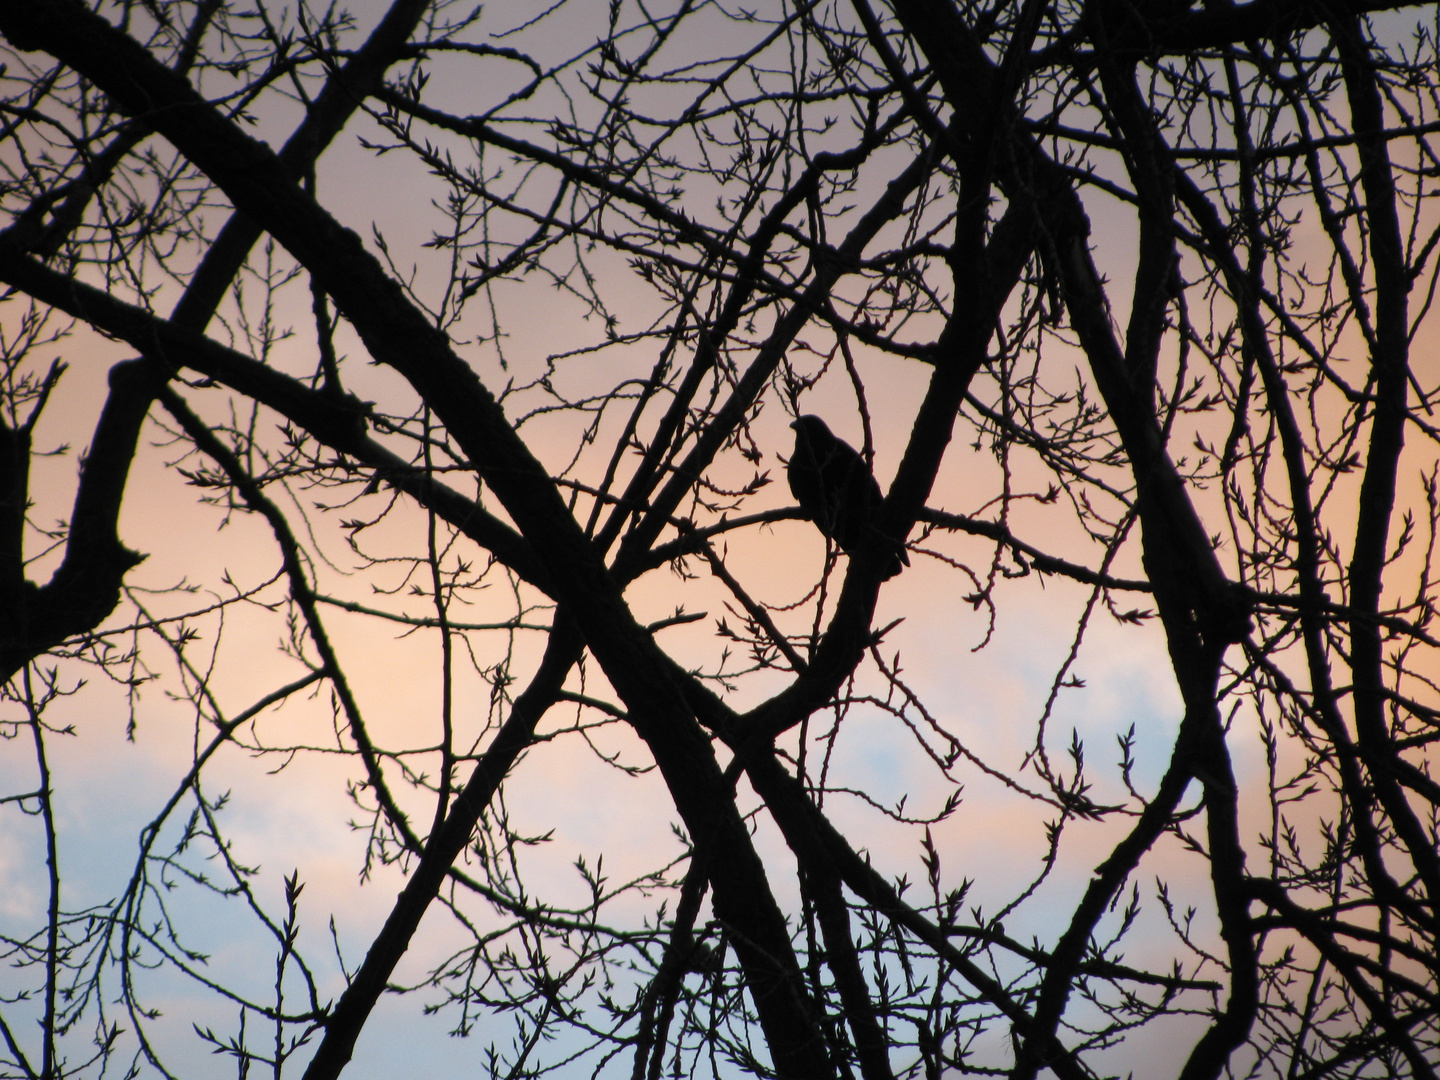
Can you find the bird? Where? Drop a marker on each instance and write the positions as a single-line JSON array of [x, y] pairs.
[[836, 489]]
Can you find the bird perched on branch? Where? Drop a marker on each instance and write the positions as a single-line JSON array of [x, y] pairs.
[[835, 488]]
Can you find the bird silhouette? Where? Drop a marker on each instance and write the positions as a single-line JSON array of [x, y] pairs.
[[835, 488]]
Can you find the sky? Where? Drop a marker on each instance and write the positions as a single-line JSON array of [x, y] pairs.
[[291, 814]]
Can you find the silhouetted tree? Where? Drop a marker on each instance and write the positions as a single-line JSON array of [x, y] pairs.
[[1162, 266]]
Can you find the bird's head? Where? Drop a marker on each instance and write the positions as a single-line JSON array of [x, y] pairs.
[[813, 430]]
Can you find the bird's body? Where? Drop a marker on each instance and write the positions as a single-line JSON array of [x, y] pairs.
[[835, 488]]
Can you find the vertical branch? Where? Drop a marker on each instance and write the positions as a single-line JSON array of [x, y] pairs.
[[442, 618], [44, 795], [657, 1007], [1390, 367]]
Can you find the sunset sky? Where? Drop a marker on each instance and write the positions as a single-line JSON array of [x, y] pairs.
[[291, 812]]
